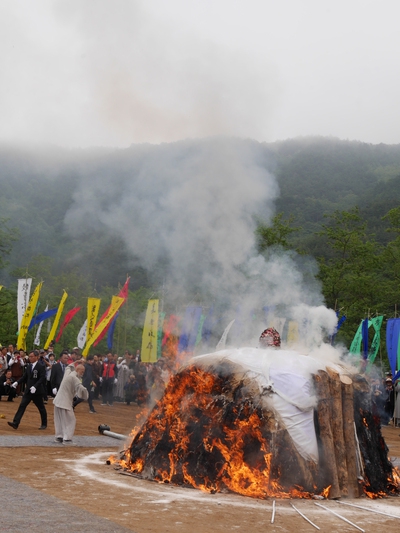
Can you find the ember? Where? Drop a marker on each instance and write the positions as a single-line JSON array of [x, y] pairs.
[[222, 425]]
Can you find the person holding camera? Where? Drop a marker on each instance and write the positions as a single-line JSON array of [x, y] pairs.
[[6, 388]]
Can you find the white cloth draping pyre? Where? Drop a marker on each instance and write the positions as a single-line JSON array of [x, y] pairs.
[[285, 376]]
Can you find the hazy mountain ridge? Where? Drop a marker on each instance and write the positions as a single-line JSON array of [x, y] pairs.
[[315, 176]]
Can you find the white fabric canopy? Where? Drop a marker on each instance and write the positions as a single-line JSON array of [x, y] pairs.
[[284, 380]]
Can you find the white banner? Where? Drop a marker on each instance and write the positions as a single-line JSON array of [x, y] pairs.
[[222, 342], [36, 342], [23, 295], [81, 339]]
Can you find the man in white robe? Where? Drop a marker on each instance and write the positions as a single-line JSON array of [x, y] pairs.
[[64, 417]]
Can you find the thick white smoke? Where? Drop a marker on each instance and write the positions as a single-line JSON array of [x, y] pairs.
[[189, 208]]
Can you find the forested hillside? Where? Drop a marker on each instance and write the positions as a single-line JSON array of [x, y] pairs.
[[77, 214]]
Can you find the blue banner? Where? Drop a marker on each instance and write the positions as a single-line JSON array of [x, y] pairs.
[[39, 318], [190, 328], [110, 333], [365, 338], [392, 343], [208, 325]]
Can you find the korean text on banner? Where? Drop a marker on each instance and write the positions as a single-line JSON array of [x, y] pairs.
[[150, 330], [23, 294], [116, 303], [26, 319], [93, 307]]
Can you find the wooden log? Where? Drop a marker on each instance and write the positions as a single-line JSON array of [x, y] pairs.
[[321, 382], [336, 416], [349, 436]]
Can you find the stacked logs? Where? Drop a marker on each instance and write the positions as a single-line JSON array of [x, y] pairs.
[[349, 437], [335, 429]]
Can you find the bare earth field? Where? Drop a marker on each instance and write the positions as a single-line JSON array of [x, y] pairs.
[[78, 475]]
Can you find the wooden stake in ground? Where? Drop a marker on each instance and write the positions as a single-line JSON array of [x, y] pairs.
[[324, 420], [349, 436], [336, 416]]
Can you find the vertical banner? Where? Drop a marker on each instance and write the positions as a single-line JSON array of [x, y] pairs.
[[364, 337], [54, 327], [170, 328], [293, 332], [161, 318], [110, 334], [36, 342], [104, 323], [222, 341], [81, 338], [88, 327], [392, 343], [208, 326], [23, 294], [123, 293], [150, 330], [93, 307], [200, 332], [26, 319], [341, 320], [376, 341], [355, 346], [278, 324], [68, 317], [190, 328]]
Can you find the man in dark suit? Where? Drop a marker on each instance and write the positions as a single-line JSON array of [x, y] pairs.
[[57, 372], [35, 382]]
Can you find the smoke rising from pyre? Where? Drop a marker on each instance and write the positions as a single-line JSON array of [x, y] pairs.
[[188, 210]]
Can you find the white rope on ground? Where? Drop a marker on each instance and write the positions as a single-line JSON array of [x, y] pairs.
[[273, 512], [305, 518], [370, 510], [340, 516]]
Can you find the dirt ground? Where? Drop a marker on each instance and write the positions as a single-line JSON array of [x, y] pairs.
[[80, 476]]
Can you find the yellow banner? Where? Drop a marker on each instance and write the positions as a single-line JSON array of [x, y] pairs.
[[93, 307], [150, 329], [52, 334], [1, 286], [116, 303], [26, 319], [293, 332]]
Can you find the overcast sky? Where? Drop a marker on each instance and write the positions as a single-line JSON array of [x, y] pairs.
[[116, 72]]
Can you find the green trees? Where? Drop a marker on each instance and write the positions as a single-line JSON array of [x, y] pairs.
[[359, 276], [8, 235], [276, 234]]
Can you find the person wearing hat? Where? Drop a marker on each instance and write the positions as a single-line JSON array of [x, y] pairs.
[[270, 338]]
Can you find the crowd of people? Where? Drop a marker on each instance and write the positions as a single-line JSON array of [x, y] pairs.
[[69, 379]]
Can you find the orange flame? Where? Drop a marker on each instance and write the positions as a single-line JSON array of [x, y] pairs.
[[199, 394]]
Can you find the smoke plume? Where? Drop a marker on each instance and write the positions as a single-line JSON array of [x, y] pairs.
[[187, 211]]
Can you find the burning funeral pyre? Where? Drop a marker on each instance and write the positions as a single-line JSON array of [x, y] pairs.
[[264, 423]]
